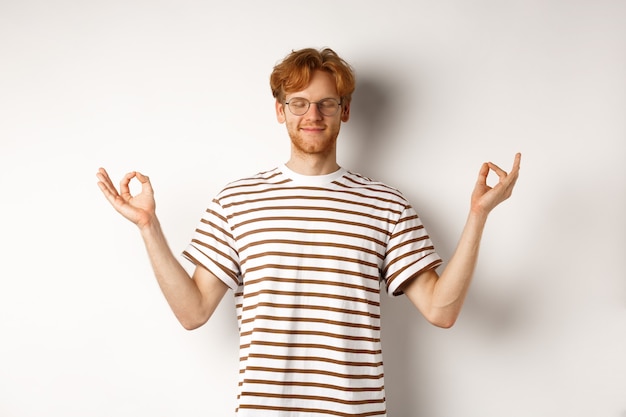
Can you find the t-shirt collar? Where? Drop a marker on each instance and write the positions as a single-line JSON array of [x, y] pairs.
[[312, 179]]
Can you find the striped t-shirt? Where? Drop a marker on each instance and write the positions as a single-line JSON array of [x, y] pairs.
[[306, 257]]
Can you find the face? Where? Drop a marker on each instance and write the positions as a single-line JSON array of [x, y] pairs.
[[313, 133]]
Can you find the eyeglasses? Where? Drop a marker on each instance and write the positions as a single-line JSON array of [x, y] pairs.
[[298, 106]]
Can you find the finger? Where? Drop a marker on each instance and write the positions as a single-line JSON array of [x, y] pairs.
[[511, 179], [502, 174], [499, 171], [102, 173], [512, 176], [103, 176], [110, 193], [483, 173], [105, 183], [124, 185], [146, 186], [517, 162], [516, 165], [142, 178]]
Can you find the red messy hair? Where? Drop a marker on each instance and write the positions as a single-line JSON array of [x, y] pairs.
[[294, 73]]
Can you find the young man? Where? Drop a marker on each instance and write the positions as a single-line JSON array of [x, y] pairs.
[[305, 248]]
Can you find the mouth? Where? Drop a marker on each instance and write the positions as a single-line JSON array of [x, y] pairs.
[[312, 128]]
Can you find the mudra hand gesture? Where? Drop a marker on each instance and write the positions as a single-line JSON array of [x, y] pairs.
[[484, 197], [139, 209]]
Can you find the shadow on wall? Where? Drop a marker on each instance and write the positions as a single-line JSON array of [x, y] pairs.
[[376, 108], [379, 103], [375, 105], [407, 380]]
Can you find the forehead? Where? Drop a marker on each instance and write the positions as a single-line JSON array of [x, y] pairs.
[[322, 85]]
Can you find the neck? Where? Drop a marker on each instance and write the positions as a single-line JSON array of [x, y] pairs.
[[311, 165]]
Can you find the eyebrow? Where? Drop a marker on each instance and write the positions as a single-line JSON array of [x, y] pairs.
[[304, 98]]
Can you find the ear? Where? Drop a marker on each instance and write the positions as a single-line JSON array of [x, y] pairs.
[[280, 112], [345, 113]]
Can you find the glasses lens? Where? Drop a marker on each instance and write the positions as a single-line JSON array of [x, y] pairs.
[[298, 106], [328, 106]]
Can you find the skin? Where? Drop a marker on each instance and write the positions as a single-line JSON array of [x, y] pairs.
[[313, 136], [440, 298]]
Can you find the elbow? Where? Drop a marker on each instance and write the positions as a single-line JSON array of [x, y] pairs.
[[192, 317], [192, 322], [443, 324], [188, 325], [443, 320]]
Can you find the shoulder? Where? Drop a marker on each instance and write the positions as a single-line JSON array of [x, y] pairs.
[[253, 184], [368, 185]]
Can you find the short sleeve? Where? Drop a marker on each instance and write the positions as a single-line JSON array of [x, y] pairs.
[[213, 246], [409, 252]]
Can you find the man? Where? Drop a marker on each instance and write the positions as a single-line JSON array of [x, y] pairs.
[[305, 248]]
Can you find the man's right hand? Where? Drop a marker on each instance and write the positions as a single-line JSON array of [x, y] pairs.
[[139, 209]]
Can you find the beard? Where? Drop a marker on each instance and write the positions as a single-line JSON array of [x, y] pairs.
[[318, 143]]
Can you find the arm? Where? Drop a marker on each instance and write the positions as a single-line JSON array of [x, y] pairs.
[[193, 300], [440, 299]]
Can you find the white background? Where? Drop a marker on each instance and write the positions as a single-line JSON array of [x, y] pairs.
[[179, 90]]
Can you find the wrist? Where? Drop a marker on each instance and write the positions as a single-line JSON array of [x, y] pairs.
[[150, 227], [477, 216]]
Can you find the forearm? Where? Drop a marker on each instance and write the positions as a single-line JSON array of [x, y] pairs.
[[180, 291], [192, 300], [440, 299], [456, 277], [450, 289]]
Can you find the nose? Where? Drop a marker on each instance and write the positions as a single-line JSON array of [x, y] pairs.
[[314, 112]]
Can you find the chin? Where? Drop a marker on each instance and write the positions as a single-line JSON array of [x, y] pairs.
[[315, 148]]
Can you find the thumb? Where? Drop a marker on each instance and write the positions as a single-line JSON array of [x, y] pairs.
[[146, 186]]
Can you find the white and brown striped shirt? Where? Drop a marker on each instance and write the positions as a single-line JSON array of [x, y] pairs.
[[306, 257]]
